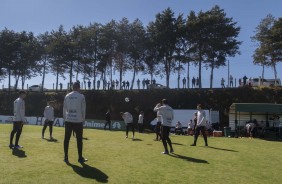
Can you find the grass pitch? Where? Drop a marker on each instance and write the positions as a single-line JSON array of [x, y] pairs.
[[114, 159]]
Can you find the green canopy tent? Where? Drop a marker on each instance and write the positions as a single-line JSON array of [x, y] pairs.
[[242, 112]]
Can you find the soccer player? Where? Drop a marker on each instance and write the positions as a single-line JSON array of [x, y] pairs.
[[166, 112], [108, 120], [140, 121], [49, 119], [128, 120], [18, 120], [74, 116], [200, 126]]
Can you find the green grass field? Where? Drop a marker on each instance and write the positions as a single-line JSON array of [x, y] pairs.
[[114, 159]]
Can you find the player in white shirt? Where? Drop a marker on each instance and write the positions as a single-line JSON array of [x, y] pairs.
[[140, 121], [166, 113], [128, 120], [49, 119], [191, 126], [18, 120], [200, 126], [74, 117], [178, 128]]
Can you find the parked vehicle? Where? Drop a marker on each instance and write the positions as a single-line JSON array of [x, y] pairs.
[[36, 88], [156, 86], [265, 82]]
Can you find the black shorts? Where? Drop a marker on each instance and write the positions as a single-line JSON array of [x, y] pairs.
[[48, 123]]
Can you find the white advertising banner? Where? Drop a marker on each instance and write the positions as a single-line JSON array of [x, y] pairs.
[[59, 122]]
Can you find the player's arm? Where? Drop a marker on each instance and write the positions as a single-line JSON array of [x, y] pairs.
[[203, 117], [83, 107], [158, 107], [65, 108], [21, 110]]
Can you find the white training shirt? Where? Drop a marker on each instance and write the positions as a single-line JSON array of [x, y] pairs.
[[178, 125], [127, 117], [166, 113], [250, 125], [201, 118], [141, 118], [74, 107], [19, 110], [49, 113], [191, 124], [159, 117]]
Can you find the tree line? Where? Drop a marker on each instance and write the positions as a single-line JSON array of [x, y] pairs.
[[268, 39], [97, 51]]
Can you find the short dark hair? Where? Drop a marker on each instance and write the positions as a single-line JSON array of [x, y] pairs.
[[76, 85], [199, 105], [164, 101], [22, 92], [51, 102]]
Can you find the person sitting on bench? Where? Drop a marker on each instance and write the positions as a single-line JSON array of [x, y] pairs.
[[251, 128], [178, 128]]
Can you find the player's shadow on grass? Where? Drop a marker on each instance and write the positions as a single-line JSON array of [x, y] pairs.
[[52, 140], [136, 139], [88, 171], [175, 143], [189, 159], [223, 149], [19, 153]]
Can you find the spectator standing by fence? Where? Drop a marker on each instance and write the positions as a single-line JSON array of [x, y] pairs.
[[197, 82], [89, 84], [222, 83], [193, 82], [138, 84], [184, 82], [231, 81], [245, 80]]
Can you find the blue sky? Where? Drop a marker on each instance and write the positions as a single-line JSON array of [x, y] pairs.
[[40, 16]]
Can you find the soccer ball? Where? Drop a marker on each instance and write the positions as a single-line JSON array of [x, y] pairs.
[[126, 99]]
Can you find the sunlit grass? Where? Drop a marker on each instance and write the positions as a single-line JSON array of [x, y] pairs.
[[114, 159]]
